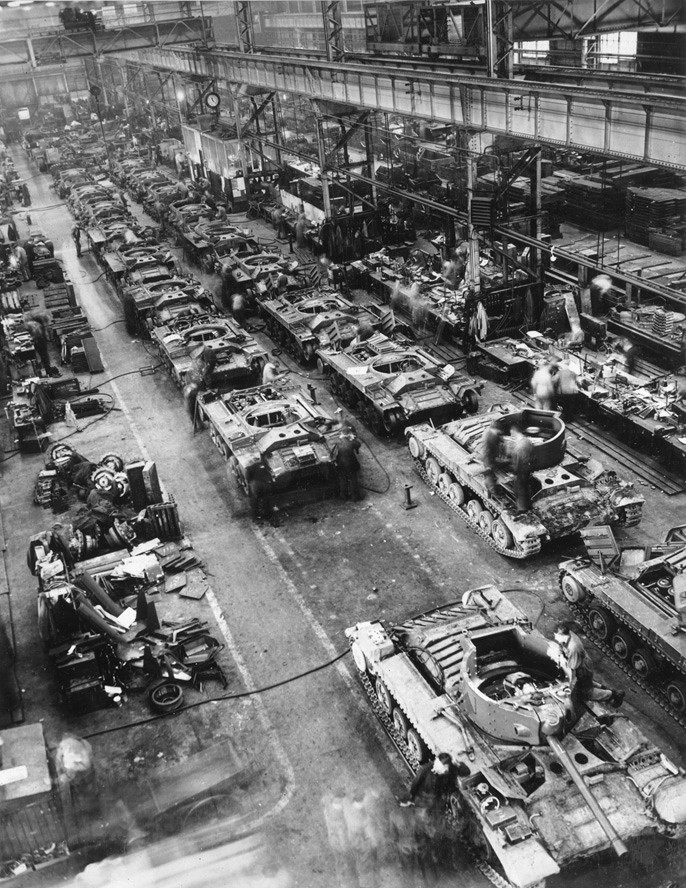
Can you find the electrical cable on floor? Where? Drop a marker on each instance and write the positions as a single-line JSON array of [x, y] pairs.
[[92, 282], [239, 696], [100, 329]]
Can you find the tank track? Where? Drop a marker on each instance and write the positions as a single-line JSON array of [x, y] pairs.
[[648, 687], [493, 876], [479, 531]]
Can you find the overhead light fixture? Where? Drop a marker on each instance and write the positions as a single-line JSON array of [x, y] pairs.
[[180, 95]]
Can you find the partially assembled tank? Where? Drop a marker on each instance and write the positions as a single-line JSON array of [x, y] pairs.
[[304, 322], [228, 356], [632, 600], [567, 492], [277, 434], [393, 385], [550, 780]]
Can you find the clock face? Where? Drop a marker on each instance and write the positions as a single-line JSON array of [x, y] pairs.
[[212, 100]]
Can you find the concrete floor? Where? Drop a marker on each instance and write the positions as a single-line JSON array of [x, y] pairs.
[[284, 594]]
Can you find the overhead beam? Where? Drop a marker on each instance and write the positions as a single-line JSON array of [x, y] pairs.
[[574, 116]]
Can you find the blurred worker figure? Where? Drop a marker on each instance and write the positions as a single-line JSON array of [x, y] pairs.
[[630, 355], [279, 222], [23, 261], [365, 834], [578, 667], [271, 373], [344, 454], [566, 390], [238, 307], [76, 237], [301, 227], [492, 445], [259, 490], [601, 285], [521, 453], [182, 189], [334, 805], [221, 213], [542, 387]]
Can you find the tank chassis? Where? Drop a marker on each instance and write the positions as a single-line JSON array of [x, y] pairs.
[[567, 492], [304, 322], [393, 385], [632, 601], [550, 780], [278, 430], [232, 358]]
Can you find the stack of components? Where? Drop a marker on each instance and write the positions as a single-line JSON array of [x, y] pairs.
[[593, 203], [656, 217], [663, 323]]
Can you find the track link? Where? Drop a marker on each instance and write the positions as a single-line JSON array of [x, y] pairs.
[[508, 553], [493, 876], [648, 687]]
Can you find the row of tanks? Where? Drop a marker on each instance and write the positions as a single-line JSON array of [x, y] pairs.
[[550, 780]]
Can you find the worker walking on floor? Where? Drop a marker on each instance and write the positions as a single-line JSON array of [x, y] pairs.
[[76, 236], [345, 452], [578, 667]]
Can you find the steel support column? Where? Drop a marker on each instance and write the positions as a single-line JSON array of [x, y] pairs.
[[246, 32], [333, 30]]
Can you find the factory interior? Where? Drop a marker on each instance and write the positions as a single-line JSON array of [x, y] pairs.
[[361, 326]]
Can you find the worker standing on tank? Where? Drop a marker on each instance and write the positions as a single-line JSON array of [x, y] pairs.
[[492, 442], [521, 453], [344, 454], [578, 667]]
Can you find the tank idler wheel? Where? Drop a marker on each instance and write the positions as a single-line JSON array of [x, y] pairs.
[[433, 470], [456, 493], [470, 401], [486, 521], [602, 623], [417, 746], [359, 658], [501, 535], [417, 449], [572, 590], [474, 509], [400, 722], [644, 662], [623, 643], [384, 696], [676, 694], [321, 367], [444, 482]]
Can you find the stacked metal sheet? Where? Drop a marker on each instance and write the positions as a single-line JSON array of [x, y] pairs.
[[595, 204], [651, 211]]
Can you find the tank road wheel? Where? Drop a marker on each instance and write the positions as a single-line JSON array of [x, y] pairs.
[[400, 722], [676, 694], [384, 696], [573, 591], [644, 662], [444, 482], [474, 509], [470, 401], [456, 494], [375, 421], [602, 623], [417, 746], [486, 521], [433, 470], [417, 449], [321, 367], [623, 643], [501, 535]]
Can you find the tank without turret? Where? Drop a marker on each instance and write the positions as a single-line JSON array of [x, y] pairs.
[[278, 431], [633, 599], [394, 384], [550, 780], [568, 492]]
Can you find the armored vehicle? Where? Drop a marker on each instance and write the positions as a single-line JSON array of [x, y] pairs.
[[278, 430], [393, 385], [567, 492], [229, 357], [304, 323], [550, 780], [632, 599]]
